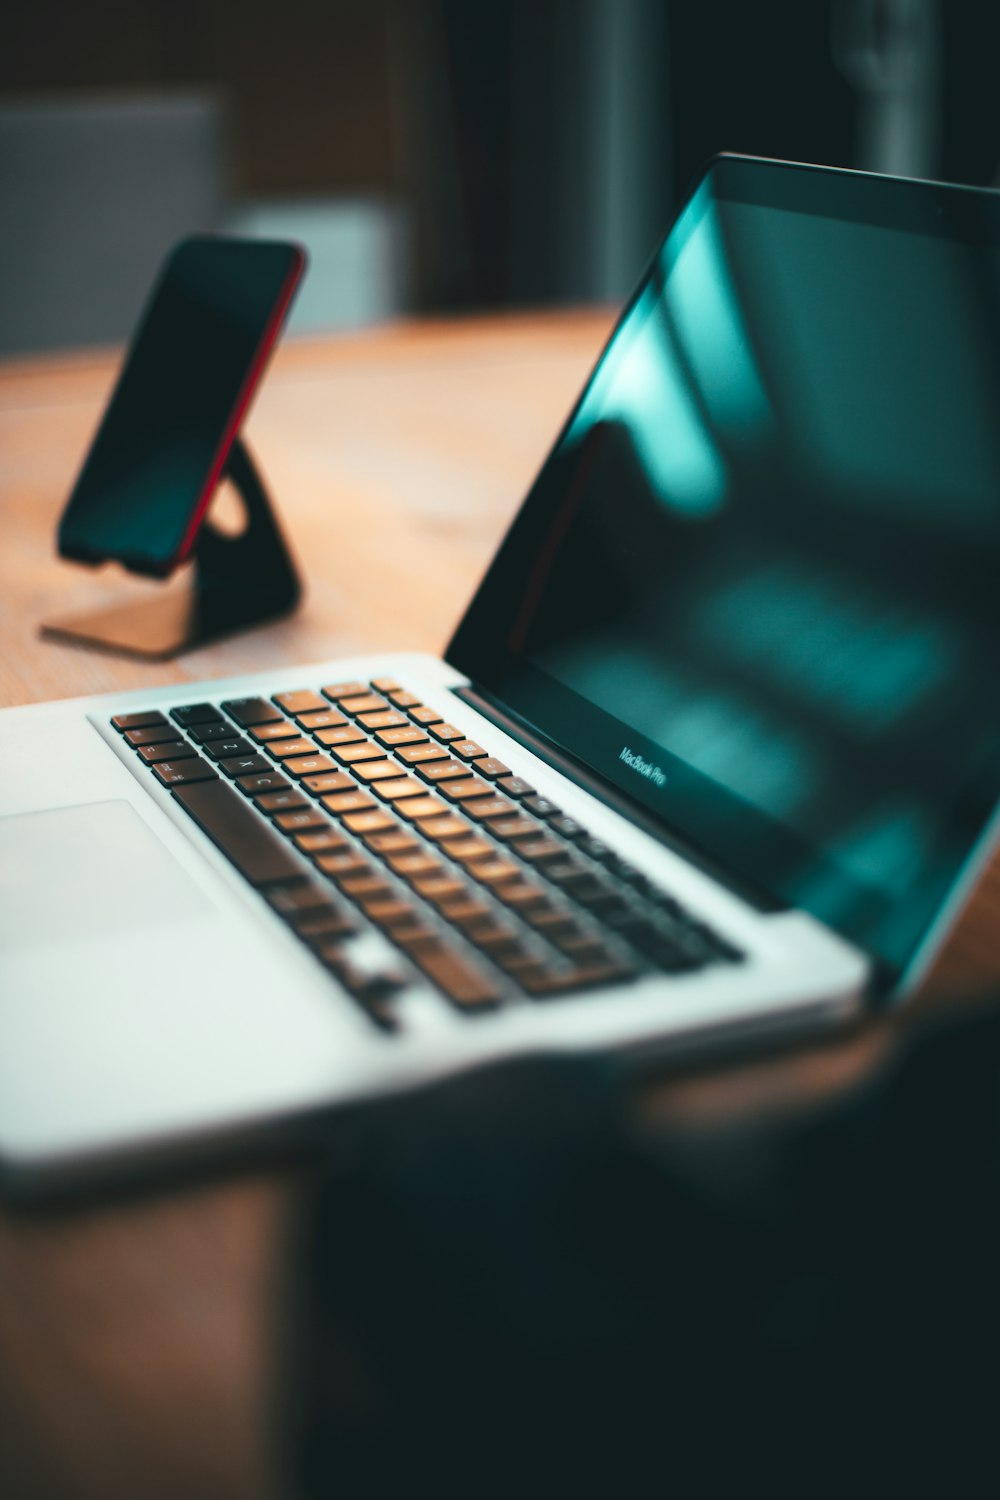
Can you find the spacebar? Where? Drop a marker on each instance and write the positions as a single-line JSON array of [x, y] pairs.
[[240, 834]]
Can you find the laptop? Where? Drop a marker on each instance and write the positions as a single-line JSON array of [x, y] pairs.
[[713, 754]]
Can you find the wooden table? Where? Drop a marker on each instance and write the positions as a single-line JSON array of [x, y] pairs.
[[135, 1336]]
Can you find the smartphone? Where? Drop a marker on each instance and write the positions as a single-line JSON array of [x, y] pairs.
[[213, 317]]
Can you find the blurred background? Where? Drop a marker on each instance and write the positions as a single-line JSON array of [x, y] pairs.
[[437, 156]]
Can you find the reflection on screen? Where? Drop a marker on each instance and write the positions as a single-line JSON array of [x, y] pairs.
[[768, 540], [190, 364]]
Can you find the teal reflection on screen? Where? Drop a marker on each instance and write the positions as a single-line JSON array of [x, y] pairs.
[[642, 384], [769, 539]]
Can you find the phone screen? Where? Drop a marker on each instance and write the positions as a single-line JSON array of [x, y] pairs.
[[186, 382]]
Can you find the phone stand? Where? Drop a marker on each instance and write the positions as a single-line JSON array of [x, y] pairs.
[[236, 581]]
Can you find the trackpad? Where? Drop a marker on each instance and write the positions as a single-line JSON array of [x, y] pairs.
[[73, 873]]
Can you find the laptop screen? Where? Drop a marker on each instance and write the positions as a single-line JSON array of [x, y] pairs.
[[755, 586]]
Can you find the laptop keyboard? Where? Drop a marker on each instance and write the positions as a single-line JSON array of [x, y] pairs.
[[413, 828]]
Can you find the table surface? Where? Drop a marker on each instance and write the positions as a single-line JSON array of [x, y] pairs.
[[136, 1335]]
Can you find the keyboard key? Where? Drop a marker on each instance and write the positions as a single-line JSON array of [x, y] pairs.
[[204, 734], [567, 828], [485, 808], [411, 865], [245, 765], [416, 808], [465, 791], [300, 821], [583, 948], [154, 734], [349, 755], [196, 713], [515, 786], [435, 770], [553, 923], [420, 714], [341, 734], [147, 720], [389, 912], [438, 888], [321, 841], [348, 802], [389, 718], [400, 696], [718, 945], [583, 977], [489, 766], [299, 702], [398, 790], [604, 901], [268, 781], [541, 807], [310, 765], [368, 703], [342, 865], [594, 847], [275, 802], [657, 945], [172, 750], [519, 893], [469, 851], [512, 829], [411, 938], [495, 939], [247, 711], [234, 744], [417, 754], [665, 901], [526, 969], [281, 729], [260, 854], [465, 985], [567, 871], [539, 851], [495, 872], [467, 749], [328, 719], [445, 825], [177, 772], [375, 821], [385, 685], [329, 781], [340, 690], [467, 915], [397, 841], [373, 992], [594, 893], [302, 896], [448, 827], [376, 770], [285, 749], [369, 886], [324, 925], [406, 736], [445, 732]]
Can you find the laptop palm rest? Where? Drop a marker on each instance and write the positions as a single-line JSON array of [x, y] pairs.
[[73, 874]]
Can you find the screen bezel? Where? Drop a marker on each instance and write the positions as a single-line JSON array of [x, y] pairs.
[[156, 565], [757, 850]]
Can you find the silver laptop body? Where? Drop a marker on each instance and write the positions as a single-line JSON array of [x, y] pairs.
[[152, 996], [787, 743]]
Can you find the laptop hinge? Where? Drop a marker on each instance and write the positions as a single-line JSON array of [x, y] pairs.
[[560, 760]]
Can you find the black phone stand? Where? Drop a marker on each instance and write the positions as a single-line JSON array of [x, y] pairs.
[[236, 581]]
